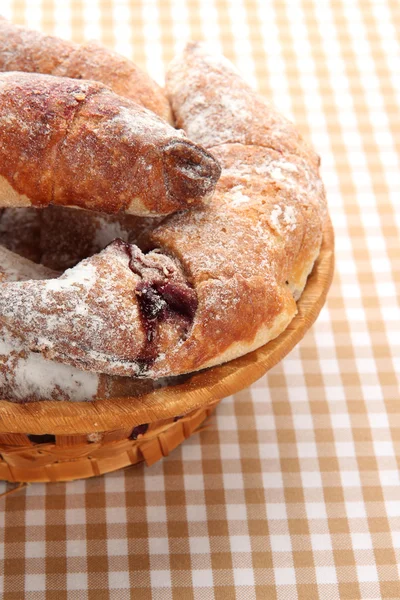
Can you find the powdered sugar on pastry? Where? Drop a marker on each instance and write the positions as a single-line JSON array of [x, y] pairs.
[[82, 145], [249, 252], [70, 317], [280, 218], [25, 375], [111, 313], [237, 196], [223, 278], [215, 106], [274, 216], [84, 274], [289, 217]]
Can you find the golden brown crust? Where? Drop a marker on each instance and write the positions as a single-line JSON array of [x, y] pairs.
[[248, 253], [111, 313], [27, 376], [70, 142], [223, 278], [92, 61], [23, 49], [215, 106]]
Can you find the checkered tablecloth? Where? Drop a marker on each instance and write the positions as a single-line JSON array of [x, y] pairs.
[[293, 491]]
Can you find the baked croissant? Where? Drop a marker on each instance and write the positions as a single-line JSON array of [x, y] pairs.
[[70, 142], [27, 376], [23, 49], [220, 280]]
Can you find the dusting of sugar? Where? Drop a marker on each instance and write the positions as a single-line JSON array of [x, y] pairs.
[[280, 219], [82, 310], [26, 375], [83, 274], [288, 166], [289, 217], [237, 197], [86, 317], [274, 216], [277, 170], [41, 378], [276, 173], [217, 61], [206, 239], [137, 123]]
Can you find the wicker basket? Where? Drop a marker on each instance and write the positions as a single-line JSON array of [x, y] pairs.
[[60, 441]]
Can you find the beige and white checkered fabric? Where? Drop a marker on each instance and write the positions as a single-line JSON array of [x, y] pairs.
[[293, 492]]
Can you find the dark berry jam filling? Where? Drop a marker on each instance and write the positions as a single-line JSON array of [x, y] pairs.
[[161, 294]]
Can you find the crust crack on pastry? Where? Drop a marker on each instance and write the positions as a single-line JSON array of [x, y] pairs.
[[71, 142], [162, 294], [81, 96], [212, 283], [27, 376], [122, 304]]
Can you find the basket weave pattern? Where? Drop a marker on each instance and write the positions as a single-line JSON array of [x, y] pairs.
[[75, 440], [47, 458]]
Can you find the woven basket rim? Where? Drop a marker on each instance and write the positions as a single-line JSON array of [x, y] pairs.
[[203, 388]]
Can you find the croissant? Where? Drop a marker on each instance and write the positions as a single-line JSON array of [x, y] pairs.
[[219, 280], [64, 141], [23, 49], [215, 106], [27, 376], [116, 300]]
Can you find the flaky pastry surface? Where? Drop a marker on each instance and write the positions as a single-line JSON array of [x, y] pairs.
[[212, 283]]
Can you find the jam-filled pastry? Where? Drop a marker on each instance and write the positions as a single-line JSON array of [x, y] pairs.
[[27, 376], [222, 279], [70, 142], [23, 49], [111, 313], [249, 252]]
